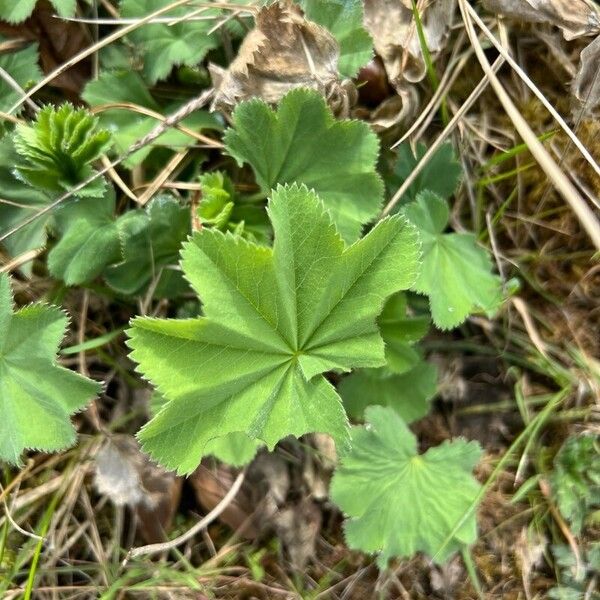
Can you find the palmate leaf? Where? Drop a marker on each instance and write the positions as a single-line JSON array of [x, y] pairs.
[[457, 273], [164, 46], [400, 502], [274, 321], [441, 174], [301, 142], [16, 11], [22, 66], [407, 393], [89, 239], [344, 19], [36, 395], [151, 240]]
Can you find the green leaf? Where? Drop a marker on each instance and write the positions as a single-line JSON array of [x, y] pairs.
[[128, 126], [151, 241], [16, 11], [400, 331], [58, 148], [235, 449], [303, 143], [89, 240], [456, 272], [274, 321], [20, 203], [36, 395], [344, 19], [576, 479], [400, 502], [407, 393], [22, 66], [164, 46], [223, 208], [441, 175]]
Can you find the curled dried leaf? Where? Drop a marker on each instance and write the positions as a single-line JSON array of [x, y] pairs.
[[586, 85], [392, 26], [575, 18], [283, 51]]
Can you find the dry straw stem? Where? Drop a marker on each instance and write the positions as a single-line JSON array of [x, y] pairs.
[[171, 121], [93, 49], [542, 156], [531, 85], [460, 113], [190, 533]]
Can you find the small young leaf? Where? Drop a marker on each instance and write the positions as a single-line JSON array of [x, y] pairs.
[[400, 502], [34, 410], [22, 66], [58, 149], [440, 175], [344, 19], [303, 143], [164, 46], [407, 393], [456, 272], [151, 242], [274, 321]]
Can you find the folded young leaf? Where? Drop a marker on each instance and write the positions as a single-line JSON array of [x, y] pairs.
[[34, 411], [275, 320], [58, 148], [301, 142], [456, 273], [400, 502]]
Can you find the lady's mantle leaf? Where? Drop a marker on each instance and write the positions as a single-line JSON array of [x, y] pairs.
[[303, 143], [165, 46], [22, 66], [400, 502], [275, 319], [344, 18], [34, 411], [456, 272]]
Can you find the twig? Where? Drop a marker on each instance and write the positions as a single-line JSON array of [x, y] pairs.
[[203, 523], [561, 182]]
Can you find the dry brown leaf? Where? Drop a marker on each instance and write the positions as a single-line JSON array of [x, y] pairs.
[[282, 52], [127, 477], [575, 18], [392, 27], [586, 85]]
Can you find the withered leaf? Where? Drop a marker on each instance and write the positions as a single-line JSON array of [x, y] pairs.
[[586, 85], [129, 478], [575, 18], [392, 26], [282, 52]]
